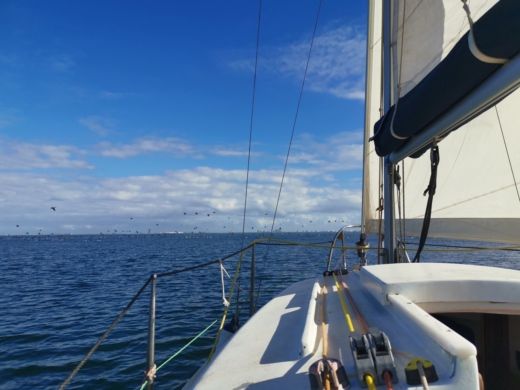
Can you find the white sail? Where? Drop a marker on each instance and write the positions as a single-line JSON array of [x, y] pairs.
[[426, 31], [477, 196], [371, 176], [478, 177]]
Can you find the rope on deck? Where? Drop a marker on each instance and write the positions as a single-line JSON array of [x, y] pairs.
[[344, 308]]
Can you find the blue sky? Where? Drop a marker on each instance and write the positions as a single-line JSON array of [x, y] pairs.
[[124, 115]]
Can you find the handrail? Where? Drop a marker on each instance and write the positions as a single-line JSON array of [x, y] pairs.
[[105, 334], [339, 235], [152, 278]]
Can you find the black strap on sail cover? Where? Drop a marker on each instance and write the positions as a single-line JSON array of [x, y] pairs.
[[430, 190]]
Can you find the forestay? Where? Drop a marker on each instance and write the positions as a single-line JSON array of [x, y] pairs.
[[478, 178]]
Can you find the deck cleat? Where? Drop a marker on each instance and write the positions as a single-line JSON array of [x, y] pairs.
[[328, 373], [363, 359], [381, 351]]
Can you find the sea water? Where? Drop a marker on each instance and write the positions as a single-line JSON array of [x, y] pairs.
[[58, 294]]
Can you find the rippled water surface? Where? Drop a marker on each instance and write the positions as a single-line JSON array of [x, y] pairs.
[[59, 293]]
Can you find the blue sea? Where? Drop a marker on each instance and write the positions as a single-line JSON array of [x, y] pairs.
[[59, 293]]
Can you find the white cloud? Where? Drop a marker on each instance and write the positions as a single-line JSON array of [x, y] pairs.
[[89, 204], [98, 125], [228, 152], [22, 155], [340, 152], [336, 67], [146, 145], [115, 95]]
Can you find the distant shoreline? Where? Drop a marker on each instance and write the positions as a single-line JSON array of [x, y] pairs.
[[165, 233]]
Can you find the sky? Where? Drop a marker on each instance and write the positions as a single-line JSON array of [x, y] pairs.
[[128, 116]]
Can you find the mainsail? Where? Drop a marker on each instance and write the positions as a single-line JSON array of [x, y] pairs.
[[478, 184]]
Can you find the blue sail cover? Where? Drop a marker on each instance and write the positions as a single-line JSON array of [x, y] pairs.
[[497, 34]]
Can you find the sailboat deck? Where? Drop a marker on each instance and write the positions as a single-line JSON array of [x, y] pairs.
[[278, 345]]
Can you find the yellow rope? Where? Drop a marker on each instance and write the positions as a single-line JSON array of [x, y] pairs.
[[370, 382], [324, 329], [348, 320]]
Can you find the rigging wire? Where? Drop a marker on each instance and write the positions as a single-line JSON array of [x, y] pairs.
[[380, 213], [507, 153], [251, 118], [400, 200], [295, 119], [403, 190]]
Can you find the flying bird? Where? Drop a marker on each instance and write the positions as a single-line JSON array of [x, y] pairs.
[[53, 208], [185, 213]]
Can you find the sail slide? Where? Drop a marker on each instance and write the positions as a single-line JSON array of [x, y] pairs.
[[478, 53]]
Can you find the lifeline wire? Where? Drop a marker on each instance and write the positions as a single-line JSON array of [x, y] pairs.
[[295, 120], [402, 217], [101, 338]]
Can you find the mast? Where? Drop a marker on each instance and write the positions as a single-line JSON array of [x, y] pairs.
[[388, 175]]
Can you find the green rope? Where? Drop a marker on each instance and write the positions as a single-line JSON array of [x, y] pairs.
[[180, 351]]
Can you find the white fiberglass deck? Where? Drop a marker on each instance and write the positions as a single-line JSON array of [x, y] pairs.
[[277, 346]]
